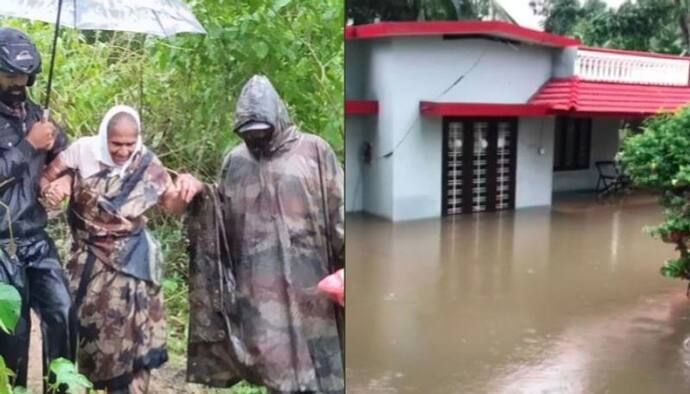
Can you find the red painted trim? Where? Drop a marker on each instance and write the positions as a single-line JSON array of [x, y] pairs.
[[361, 107], [634, 53], [350, 32], [482, 109], [494, 28]]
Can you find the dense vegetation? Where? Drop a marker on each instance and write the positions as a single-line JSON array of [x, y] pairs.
[[642, 25], [658, 159], [186, 87]]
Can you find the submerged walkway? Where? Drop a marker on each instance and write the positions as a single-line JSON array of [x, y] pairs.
[[560, 300]]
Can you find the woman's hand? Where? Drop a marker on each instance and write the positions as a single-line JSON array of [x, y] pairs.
[[58, 190], [188, 187], [181, 193]]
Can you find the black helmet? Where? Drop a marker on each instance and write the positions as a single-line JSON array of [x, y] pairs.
[[18, 54]]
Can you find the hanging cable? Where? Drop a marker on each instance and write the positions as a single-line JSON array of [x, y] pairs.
[[417, 118]]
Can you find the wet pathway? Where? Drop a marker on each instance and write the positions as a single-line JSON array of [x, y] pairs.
[[562, 300]]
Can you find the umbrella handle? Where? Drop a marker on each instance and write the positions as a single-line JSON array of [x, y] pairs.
[[52, 57], [46, 114]]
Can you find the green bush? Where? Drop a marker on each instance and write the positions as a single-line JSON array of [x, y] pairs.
[[10, 309], [659, 159], [10, 306]]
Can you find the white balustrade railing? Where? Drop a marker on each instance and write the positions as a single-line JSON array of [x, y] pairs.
[[622, 68]]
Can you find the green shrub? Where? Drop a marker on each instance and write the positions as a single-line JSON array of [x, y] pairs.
[[659, 159]]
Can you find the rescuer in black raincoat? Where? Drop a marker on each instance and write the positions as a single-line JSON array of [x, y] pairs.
[[28, 257]]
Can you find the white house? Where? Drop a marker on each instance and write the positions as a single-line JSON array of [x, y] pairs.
[[454, 117]]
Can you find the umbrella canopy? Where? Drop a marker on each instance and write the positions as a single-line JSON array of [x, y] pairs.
[[161, 18]]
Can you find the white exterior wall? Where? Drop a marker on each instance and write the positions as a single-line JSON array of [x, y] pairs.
[[420, 69], [418, 171], [378, 176], [604, 146], [534, 170], [564, 62]]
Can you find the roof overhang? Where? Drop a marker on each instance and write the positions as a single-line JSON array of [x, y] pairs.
[[428, 108], [474, 28]]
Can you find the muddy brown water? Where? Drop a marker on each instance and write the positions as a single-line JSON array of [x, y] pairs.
[[565, 299]]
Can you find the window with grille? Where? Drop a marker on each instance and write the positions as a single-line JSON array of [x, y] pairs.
[[572, 144]]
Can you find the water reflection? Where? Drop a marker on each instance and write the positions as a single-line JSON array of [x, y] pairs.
[[540, 300]]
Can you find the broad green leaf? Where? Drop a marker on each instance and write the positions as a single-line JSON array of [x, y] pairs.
[[10, 307], [61, 366], [66, 373], [5, 375]]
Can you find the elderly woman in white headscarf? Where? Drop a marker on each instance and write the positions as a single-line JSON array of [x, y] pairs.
[[115, 263]]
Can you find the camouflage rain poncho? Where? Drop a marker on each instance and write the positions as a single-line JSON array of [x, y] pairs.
[[284, 220]]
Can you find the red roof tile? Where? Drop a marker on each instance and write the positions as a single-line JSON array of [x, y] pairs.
[[573, 95]]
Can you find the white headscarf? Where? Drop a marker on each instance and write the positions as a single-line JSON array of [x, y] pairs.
[[101, 144]]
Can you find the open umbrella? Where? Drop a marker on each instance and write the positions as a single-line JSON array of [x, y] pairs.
[[161, 18]]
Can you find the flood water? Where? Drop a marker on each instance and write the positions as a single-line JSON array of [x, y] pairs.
[[566, 299]]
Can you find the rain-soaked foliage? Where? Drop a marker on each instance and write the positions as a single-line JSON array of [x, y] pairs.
[[658, 159], [186, 87]]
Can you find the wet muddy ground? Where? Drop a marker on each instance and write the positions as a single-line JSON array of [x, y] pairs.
[[169, 379], [566, 299]]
